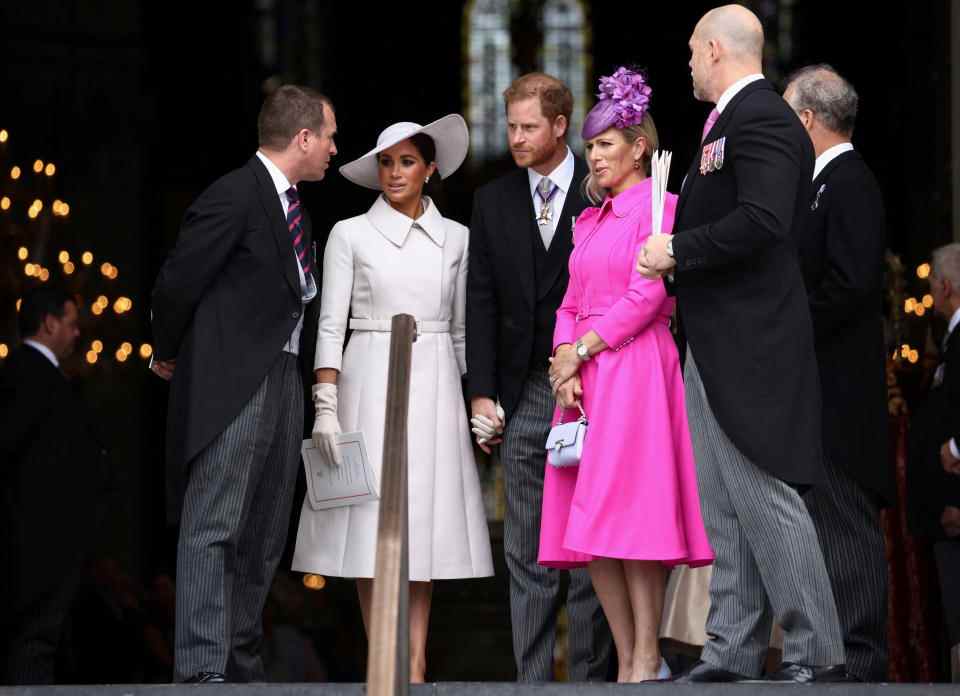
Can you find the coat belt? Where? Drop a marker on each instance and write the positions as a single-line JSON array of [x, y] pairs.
[[384, 325]]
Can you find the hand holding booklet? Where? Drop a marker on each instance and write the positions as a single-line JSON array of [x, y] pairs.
[[350, 483]]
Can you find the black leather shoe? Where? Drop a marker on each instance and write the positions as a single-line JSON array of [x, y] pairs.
[[705, 672], [807, 674], [206, 678]]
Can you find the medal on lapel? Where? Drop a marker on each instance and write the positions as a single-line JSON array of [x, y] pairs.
[[816, 201], [711, 159]]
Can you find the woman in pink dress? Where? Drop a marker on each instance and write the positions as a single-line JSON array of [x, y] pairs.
[[631, 508]]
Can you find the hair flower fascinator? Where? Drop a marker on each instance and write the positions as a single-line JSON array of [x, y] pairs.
[[624, 100]]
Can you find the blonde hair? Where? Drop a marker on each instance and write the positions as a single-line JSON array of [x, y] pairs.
[[647, 130]]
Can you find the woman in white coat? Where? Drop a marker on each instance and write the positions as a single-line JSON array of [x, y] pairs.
[[401, 256]]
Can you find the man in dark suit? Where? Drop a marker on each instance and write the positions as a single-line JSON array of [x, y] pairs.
[[841, 253], [933, 490], [51, 470], [228, 319], [520, 242], [750, 372]]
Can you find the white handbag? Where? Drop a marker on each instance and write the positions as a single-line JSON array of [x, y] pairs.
[[565, 441]]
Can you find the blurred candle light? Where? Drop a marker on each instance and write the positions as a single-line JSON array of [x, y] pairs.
[[923, 270], [126, 347], [44, 275], [87, 258], [4, 135], [38, 166], [909, 305], [928, 301], [5, 203], [146, 350], [314, 582], [920, 310], [97, 345], [91, 356], [69, 268], [4, 351], [22, 253], [63, 256], [50, 169], [122, 355], [97, 309], [914, 356], [15, 173]]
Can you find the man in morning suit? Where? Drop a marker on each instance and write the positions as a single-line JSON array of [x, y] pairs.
[[842, 258], [51, 476], [228, 320], [520, 242], [933, 489], [750, 373]]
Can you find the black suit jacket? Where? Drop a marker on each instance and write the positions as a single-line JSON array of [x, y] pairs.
[[224, 305], [841, 253], [932, 423], [741, 298], [52, 480], [501, 286]]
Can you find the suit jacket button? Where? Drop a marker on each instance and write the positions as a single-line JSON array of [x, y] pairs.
[[295, 315]]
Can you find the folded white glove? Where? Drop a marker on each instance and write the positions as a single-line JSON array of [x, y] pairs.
[[326, 425], [484, 428]]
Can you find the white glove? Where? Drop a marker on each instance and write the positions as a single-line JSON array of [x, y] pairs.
[[484, 428], [326, 425]]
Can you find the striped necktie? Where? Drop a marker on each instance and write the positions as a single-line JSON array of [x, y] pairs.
[[295, 225]]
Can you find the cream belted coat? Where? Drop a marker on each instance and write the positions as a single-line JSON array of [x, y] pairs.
[[377, 265]]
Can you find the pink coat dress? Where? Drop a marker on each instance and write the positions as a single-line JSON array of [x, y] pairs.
[[634, 495]]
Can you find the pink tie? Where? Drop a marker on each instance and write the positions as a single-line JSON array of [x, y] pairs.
[[711, 119]]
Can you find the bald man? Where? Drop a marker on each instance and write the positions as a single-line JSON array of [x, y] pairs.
[[842, 257], [750, 373]]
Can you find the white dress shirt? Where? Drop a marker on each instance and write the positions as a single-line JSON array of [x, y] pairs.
[[46, 352], [828, 155], [308, 288], [562, 176], [731, 91]]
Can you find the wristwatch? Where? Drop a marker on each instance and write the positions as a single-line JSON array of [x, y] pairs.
[[581, 349], [670, 247]]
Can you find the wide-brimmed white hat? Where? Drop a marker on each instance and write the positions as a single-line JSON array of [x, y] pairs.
[[450, 135]]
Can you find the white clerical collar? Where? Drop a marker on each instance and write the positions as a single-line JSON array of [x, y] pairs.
[[828, 155], [562, 176], [43, 350], [280, 180], [731, 91]]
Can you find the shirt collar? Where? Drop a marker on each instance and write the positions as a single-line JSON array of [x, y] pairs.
[[828, 155], [562, 176], [280, 180], [624, 202], [43, 350], [732, 90], [954, 320], [395, 226]]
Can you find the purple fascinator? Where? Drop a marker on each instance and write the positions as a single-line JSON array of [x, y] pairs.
[[624, 99]]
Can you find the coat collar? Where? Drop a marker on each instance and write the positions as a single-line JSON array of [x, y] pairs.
[[267, 192], [624, 203], [395, 226]]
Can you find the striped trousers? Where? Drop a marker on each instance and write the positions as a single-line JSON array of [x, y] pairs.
[[768, 566], [236, 512], [535, 596], [847, 521]]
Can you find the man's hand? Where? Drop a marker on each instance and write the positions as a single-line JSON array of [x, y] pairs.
[[163, 368], [950, 521], [563, 365], [654, 261], [950, 463], [486, 422], [569, 393]]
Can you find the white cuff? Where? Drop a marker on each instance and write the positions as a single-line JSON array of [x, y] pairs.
[[953, 448]]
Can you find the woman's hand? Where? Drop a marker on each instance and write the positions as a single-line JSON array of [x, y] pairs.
[[569, 393], [563, 365]]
